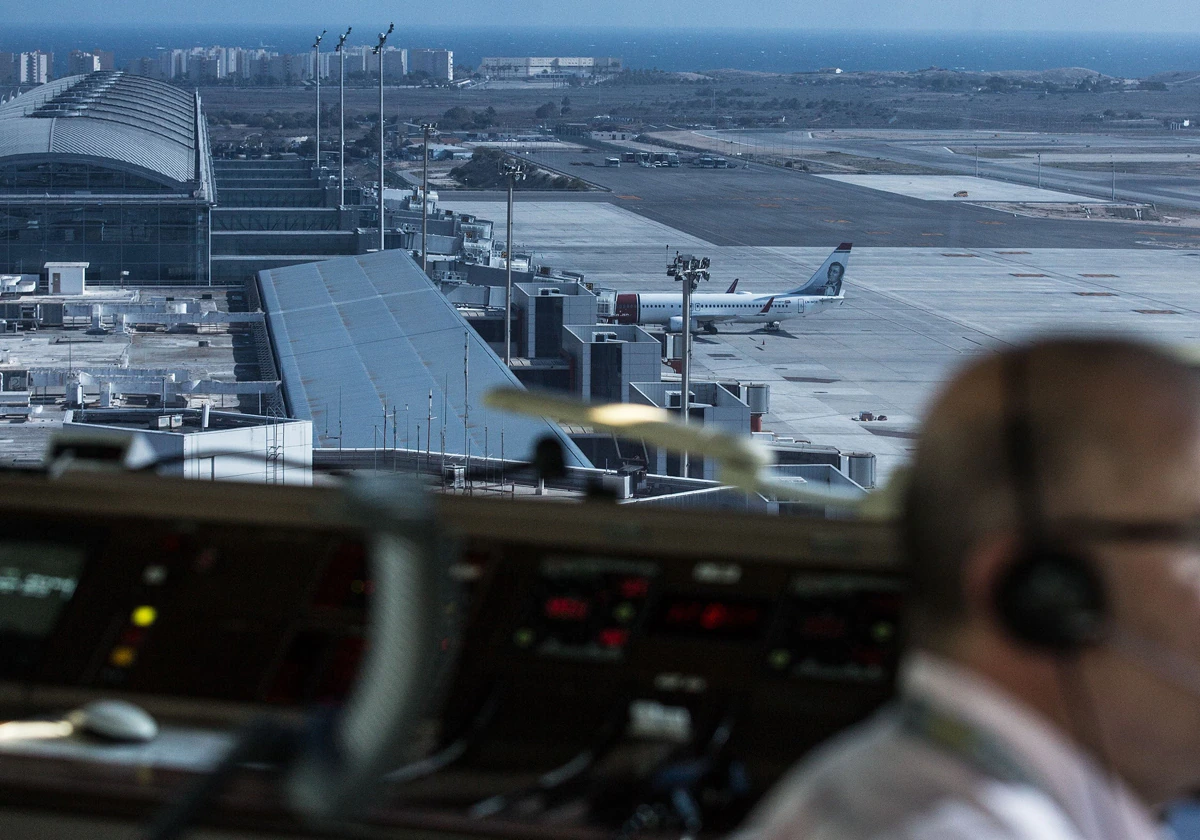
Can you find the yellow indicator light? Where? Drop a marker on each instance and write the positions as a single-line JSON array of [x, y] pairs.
[[144, 616], [122, 656]]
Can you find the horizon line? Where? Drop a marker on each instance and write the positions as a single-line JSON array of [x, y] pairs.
[[814, 29]]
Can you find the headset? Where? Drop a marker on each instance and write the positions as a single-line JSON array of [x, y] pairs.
[[1051, 597]]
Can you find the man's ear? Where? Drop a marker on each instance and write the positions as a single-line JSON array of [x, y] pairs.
[[985, 565]]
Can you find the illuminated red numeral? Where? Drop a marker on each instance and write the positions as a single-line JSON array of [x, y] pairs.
[[565, 608], [613, 637]]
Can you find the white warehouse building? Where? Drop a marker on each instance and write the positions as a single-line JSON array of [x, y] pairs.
[[532, 67]]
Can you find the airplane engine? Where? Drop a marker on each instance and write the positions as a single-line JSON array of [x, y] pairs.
[[675, 324]]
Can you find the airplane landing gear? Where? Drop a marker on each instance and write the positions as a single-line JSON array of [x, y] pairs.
[[710, 328], [773, 326]]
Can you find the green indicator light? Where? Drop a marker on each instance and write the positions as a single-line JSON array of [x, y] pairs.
[[883, 631], [625, 612], [779, 659], [524, 637]]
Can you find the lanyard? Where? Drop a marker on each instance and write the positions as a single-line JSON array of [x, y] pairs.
[[966, 741]]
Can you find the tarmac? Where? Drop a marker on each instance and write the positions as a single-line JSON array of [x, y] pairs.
[[959, 188], [912, 313], [772, 206]]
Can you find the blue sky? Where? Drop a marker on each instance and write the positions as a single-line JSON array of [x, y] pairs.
[[985, 15]]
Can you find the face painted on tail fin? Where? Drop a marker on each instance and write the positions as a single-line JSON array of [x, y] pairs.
[[827, 280]]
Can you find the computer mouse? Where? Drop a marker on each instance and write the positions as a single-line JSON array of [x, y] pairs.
[[114, 720]]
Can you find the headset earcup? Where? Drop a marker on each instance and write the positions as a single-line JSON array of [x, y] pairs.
[[1053, 600]]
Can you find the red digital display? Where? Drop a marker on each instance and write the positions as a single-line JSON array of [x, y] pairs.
[[566, 608], [613, 637], [848, 633], [635, 587], [722, 618]]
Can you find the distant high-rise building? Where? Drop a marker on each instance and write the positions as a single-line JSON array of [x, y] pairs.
[[203, 68], [8, 68], [79, 63], [438, 64], [144, 66], [173, 63], [35, 68], [395, 63], [285, 69], [88, 61], [323, 69]]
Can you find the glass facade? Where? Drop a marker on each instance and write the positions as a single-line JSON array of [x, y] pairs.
[[127, 229], [62, 177]]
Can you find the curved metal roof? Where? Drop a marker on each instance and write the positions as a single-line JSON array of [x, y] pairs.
[[133, 121]]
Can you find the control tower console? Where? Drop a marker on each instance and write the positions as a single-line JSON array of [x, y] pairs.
[[612, 660]]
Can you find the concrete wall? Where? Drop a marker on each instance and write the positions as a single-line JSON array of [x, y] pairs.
[[270, 453], [276, 453], [711, 405], [578, 308], [640, 356]]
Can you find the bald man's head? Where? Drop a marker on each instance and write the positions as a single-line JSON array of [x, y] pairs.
[[1107, 423]]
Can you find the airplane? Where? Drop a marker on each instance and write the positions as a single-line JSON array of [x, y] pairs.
[[823, 289]]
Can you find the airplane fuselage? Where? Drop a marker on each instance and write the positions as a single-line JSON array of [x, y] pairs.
[[660, 308]]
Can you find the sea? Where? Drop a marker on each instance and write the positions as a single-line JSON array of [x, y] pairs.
[[1128, 55]]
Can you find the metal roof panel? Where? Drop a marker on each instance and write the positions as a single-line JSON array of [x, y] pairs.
[[354, 335]]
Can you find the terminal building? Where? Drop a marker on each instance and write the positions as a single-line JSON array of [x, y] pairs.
[[110, 169]]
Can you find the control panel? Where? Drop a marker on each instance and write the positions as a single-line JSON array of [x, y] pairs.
[[206, 594], [593, 635], [783, 630]]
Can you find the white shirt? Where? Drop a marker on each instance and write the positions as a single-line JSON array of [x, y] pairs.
[[883, 781]]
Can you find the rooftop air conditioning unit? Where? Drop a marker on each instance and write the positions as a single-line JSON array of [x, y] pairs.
[[548, 291], [602, 337], [673, 399]]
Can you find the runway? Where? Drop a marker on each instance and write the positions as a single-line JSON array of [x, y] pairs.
[[1012, 156], [771, 206]]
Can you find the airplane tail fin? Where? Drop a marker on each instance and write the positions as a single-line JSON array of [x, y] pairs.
[[828, 278], [732, 286]]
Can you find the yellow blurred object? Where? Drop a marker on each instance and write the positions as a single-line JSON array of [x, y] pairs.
[[122, 656], [144, 616], [742, 459]]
